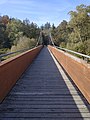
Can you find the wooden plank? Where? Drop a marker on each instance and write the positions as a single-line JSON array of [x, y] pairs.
[[43, 93], [46, 115], [47, 110]]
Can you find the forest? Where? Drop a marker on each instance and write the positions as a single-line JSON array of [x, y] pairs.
[[16, 35], [73, 34]]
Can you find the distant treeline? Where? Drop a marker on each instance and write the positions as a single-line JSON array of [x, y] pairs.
[[15, 34], [75, 34]]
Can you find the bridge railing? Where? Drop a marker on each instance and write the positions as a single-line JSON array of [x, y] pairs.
[[77, 69], [86, 57], [12, 68], [11, 53]]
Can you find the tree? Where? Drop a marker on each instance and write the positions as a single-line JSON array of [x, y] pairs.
[[80, 21], [12, 30], [47, 25], [5, 19], [42, 27], [30, 30], [75, 34], [23, 43], [60, 34], [53, 26]]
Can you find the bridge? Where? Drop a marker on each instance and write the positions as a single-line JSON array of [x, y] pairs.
[[44, 83]]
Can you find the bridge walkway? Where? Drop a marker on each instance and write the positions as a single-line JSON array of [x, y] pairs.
[[44, 92]]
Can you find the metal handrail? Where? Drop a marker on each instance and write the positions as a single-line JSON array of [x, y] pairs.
[[11, 53], [80, 54], [87, 57]]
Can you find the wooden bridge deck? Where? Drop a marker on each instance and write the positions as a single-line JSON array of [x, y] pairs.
[[44, 92]]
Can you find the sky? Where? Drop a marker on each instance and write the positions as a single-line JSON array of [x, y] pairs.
[[40, 11]]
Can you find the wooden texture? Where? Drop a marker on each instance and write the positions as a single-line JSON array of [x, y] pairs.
[[12, 69], [77, 69]]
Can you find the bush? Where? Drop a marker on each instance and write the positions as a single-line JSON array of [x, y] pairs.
[[24, 43], [3, 50]]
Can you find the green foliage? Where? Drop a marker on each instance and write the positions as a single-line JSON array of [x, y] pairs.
[[53, 26], [60, 34], [23, 43], [75, 34], [46, 26], [3, 51], [12, 31], [30, 30]]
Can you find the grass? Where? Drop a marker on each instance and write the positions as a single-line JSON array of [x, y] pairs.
[[3, 50]]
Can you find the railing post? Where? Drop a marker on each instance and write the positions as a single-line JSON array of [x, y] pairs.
[[86, 59]]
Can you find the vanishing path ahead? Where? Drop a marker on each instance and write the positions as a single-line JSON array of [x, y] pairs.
[[44, 92]]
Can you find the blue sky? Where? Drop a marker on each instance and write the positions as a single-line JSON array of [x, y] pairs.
[[40, 11]]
